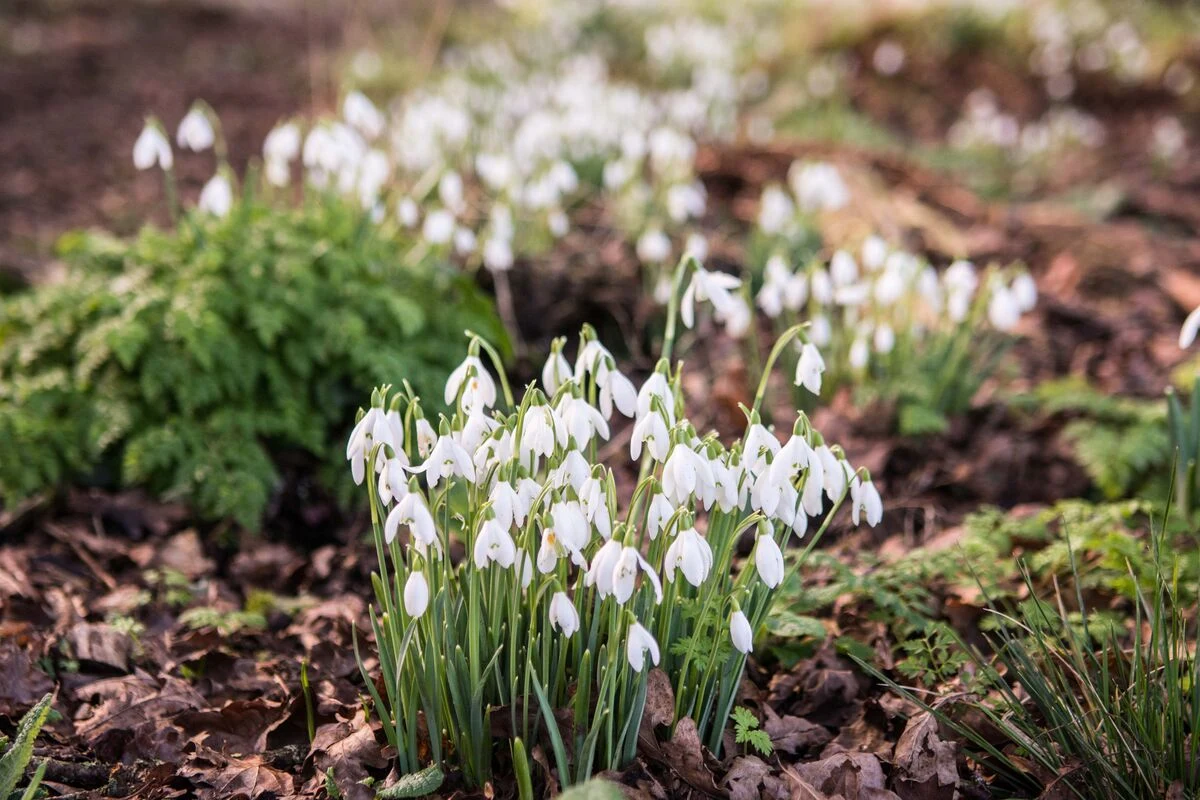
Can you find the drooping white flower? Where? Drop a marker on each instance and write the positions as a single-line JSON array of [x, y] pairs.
[[832, 470], [656, 386], [426, 437], [776, 210], [411, 511], [282, 143], [216, 197], [740, 632], [874, 252], [865, 502], [497, 254], [1024, 290], [843, 269], [658, 515], [507, 505], [768, 560], [464, 240], [615, 390], [195, 131], [1191, 326], [565, 537], [152, 149], [416, 595], [581, 420], [691, 554], [637, 644], [407, 212], [809, 367], [1003, 310], [447, 459], [715, 287], [542, 430], [760, 444], [651, 431], [685, 472], [392, 481], [884, 338], [818, 187], [555, 372], [859, 354], [438, 227], [653, 247], [475, 382], [494, 544], [359, 443], [563, 614], [360, 112]]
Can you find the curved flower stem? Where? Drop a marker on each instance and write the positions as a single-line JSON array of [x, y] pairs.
[[673, 305], [498, 363], [796, 331]]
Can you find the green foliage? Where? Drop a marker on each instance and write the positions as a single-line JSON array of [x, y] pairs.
[[746, 731], [1099, 549], [416, 784], [18, 755], [1123, 443], [1100, 710], [188, 361]]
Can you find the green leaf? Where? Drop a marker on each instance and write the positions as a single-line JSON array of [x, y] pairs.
[[416, 784], [16, 758]]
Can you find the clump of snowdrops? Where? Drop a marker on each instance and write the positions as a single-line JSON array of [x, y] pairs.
[[888, 322], [571, 586]]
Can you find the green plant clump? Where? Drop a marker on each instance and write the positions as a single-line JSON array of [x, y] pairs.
[[188, 361]]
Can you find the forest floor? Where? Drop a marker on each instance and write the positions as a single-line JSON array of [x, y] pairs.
[[177, 649]]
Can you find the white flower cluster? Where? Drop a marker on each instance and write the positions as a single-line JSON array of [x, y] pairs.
[[1060, 129], [542, 506], [862, 305], [1082, 36], [814, 187], [492, 147]]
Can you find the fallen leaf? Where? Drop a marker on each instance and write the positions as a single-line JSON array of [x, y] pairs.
[[237, 728], [792, 734], [685, 757], [223, 778], [132, 717], [851, 775], [744, 777], [99, 645], [349, 748], [21, 683], [660, 698], [925, 764]]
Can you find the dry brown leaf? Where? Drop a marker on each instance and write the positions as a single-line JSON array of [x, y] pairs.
[[745, 776], [925, 764]]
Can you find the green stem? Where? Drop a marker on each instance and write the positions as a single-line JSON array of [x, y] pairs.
[[673, 304], [791, 333]]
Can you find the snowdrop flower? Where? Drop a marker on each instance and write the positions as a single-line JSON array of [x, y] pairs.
[[555, 372], [581, 420], [412, 511], [426, 437], [152, 149], [439, 227], [195, 131], [651, 431], [507, 505], [360, 112], [760, 443], [473, 380], [874, 252], [822, 287], [282, 143], [740, 632], [637, 644], [685, 201], [658, 515], [542, 430], [960, 282], [416, 595], [818, 187], [653, 247], [464, 240], [696, 246], [497, 254], [714, 287], [1003, 309], [1024, 290], [493, 544], [563, 615], [859, 354], [447, 459], [888, 58], [776, 210], [1191, 326], [407, 213], [690, 553], [685, 473], [843, 269], [450, 191], [768, 560], [865, 500], [809, 367], [656, 386], [884, 338], [558, 223], [216, 197], [392, 482]]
